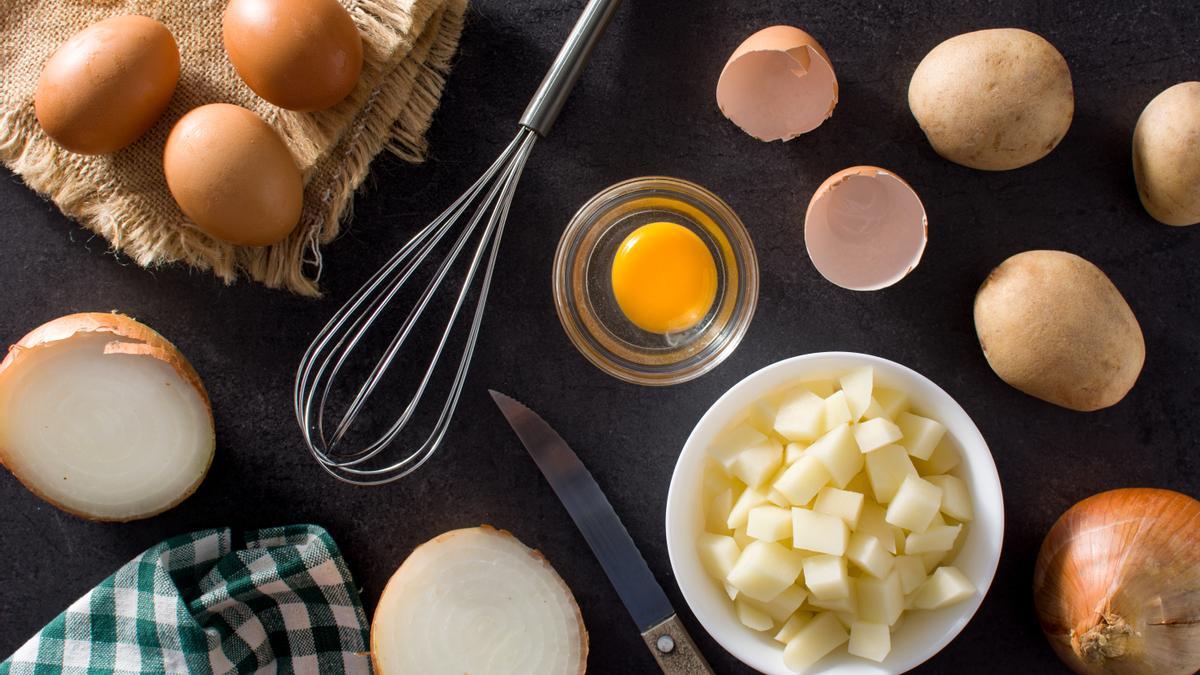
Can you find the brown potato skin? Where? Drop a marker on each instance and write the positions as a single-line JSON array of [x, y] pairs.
[[1166, 155], [1054, 326], [107, 84], [993, 99]]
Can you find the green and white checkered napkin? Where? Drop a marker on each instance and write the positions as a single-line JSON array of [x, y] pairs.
[[280, 601]]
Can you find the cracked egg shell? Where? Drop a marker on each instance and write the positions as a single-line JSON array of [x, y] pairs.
[[778, 84], [865, 228]]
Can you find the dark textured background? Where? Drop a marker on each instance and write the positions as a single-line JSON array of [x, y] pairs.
[[645, 106]]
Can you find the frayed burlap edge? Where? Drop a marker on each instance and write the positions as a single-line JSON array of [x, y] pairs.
[[395, 117]]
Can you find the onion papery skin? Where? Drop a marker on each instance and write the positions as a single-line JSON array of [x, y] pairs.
[[121, 336], [477, 600], [1117, 584]]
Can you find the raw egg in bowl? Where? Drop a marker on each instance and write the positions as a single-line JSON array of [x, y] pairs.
[[655, 280]]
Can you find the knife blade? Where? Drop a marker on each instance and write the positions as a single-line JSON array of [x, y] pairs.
[[620, 558]]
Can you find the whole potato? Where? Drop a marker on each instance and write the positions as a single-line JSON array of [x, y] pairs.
[[993, 99], [1166, 155], [1052, 325]]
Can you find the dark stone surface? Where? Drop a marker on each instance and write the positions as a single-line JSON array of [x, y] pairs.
[[645, 106]]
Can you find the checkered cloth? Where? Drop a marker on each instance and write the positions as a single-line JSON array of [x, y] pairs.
[[281, 601]]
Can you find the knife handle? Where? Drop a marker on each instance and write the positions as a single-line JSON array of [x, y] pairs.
[[674, 650]]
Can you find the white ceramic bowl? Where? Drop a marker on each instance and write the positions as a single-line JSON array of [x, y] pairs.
[[922, 633]]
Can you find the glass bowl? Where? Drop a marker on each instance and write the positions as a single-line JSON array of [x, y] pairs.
[[588, 309]]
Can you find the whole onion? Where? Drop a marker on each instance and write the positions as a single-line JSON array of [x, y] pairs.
[[1117, 583]]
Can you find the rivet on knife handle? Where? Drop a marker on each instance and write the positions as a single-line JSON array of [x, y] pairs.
[[674, 650]]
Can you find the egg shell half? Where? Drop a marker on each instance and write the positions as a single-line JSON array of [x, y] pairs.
[[298, 54], [865, 228], [107, 84], [778, 84], [233, 176]]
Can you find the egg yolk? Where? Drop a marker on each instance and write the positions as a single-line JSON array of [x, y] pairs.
[[664, 278]]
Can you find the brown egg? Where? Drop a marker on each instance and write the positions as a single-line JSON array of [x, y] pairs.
[[108, 84], [232, 174], [297, 54]]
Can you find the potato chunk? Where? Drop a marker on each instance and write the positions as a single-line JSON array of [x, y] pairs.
[[938, 538], [764, 570], [784, 604], [886, 403], [839, 453], [870, 640], [740, 512], [801, 416], [946, 586], [819, 532], [880, 600], [769, 523], [912, 572], [726, 448], [873, 523], [718, 554], [921, 434], [826, 577], [715, 519], [793, 626], [858, 384], [823, 634], [956, 501], [802, 480], [841, 503], [869, 554], [837, 410], [887, 468], [916, 503], [871, 435], [945, 457], [752, 617]]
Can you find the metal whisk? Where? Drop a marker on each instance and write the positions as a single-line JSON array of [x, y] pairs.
[[487, 203]]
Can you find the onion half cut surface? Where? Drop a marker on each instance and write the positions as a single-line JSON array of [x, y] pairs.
[[103, 418], [477, 600]]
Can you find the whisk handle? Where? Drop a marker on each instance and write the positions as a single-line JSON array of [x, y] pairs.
[[546, 103]]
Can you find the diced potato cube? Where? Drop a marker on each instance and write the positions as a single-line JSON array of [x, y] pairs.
[[886, 403], [762, 414], [819, 532], [932, 559], [916, 503], [752, 617], [801, 416], [946, 586], [912, 572], [858, 384], [742, 538], [861, 484], [716, 517], [872, 435], [938, 538], [921, 434], [869, 554], [880, 600], [870, 640], [842, 606], [793, 626], [718, 554], [756, 463], [726, 448], [769, 523], [740, 512], [776, 497], [826, 577], [841, 503], [784, 604], [716, 480], [945, 457], [837, 410], [887, 468], [872, 523], [792, 452], [764, 570], [730, 590], [823, 634], [802, 480], [956, 501], [822, 388], [839, 453]]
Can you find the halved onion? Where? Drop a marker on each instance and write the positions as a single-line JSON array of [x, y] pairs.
[[103, 418], [477, 600]]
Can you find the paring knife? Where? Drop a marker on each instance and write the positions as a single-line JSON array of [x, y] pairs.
[[661, 629]]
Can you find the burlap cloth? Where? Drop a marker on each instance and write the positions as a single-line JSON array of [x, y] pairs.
[[407, 47]]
